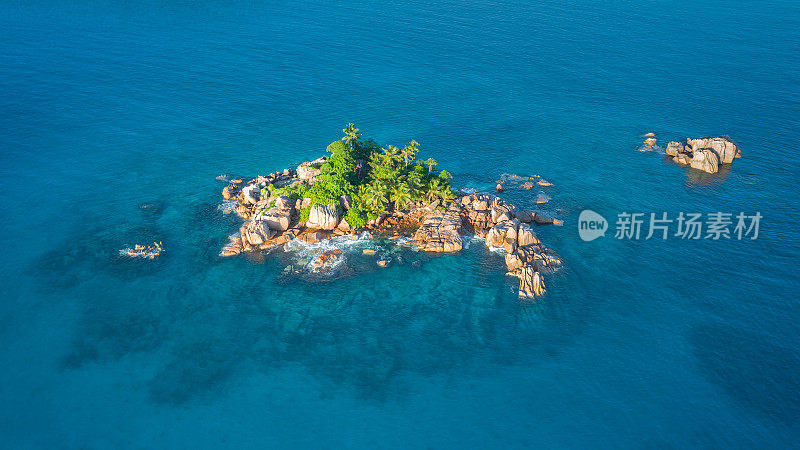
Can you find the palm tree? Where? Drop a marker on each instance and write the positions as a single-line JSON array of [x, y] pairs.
[[374, 196], [414, 180], [434, 189], [446, 193], [409, 152], [401, 196], [390, 154], [430, 162], [351, 135]]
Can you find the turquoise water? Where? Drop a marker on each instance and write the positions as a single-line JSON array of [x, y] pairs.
[[637, 343]]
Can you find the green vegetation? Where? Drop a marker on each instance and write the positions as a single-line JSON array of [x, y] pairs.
[[293, 192], [304, 213], [376, 179]]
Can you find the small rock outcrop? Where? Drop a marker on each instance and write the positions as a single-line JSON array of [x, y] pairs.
[[525, 235], [323, 217], [256, 232], [276, 218], [683, 158], [310, 169], [697, 153], [251, 194], [504, 234], [327, 258], [544, 219], [440, 231], [706, 160], [526, 216], [530, 282], [723, 146], [230, 191], [502, 210], [674, 148], [476, 212], [234, 246], [143, 251]]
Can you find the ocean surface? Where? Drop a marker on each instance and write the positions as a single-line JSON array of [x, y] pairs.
[[116, 118]]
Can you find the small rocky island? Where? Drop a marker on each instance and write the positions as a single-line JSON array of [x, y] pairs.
[[704, 153], [360, 189]]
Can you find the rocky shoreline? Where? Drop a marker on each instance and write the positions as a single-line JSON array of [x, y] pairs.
[[438, 226]]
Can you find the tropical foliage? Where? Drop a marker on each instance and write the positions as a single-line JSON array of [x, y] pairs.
[[377, 179]]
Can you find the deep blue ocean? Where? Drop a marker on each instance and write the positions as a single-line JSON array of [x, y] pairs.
[[637, 344]]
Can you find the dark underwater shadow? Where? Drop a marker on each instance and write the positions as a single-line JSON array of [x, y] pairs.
[[204, 321], [756, 372], [93, 250], [700, 180]]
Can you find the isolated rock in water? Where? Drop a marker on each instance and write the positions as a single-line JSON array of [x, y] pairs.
[[544, 183], [726, 149], [327, 258], [706, 160], [650, 142], [256, 232], [276, 218], [323, 217], [674, 148], [440, 231], [649, 135], [252, 194]]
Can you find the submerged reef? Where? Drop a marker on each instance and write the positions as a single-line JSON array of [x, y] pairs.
[[143, 251], [361, 190]]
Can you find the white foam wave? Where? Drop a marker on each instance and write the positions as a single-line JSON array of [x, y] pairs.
[[227, 206]]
